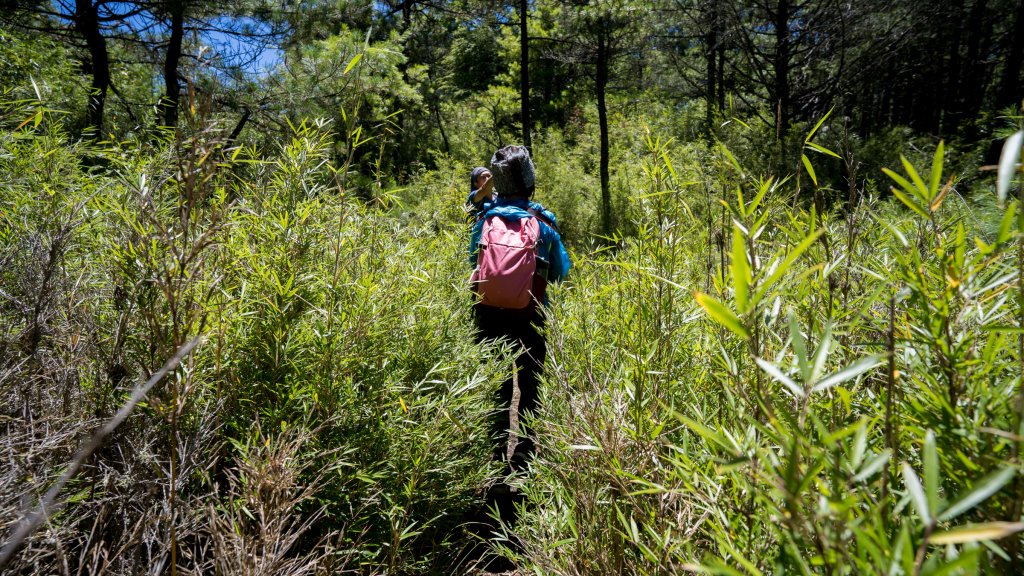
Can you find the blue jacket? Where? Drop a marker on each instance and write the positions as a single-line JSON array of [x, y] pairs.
[[551, 248], [478, 209]]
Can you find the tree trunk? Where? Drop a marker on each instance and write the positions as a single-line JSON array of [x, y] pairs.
[[1009, 85], [440, 127], [524, 73], [721, 67], [972, 94], [172, 86], [711, 59], [87, 24], [780, 66], [949, 97], [601, 85]]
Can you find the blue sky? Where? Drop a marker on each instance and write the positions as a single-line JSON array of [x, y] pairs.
[[254, 56]]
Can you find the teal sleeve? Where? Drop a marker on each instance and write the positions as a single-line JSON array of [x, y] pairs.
[[474, 241], [558, 258]]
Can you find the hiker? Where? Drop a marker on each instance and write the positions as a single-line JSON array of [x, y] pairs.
[[481, 191], [481, 198], [516, 250]]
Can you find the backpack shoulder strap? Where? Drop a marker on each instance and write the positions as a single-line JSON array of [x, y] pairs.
[[540, 216]]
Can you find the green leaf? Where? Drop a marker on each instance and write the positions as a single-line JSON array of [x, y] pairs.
[[740, 270], [1008, 163], [917, 495], [823, 150], [790, 259], [906, 185], [352, 63], [704, 432], [873, 466], [910, 203], [818, 125], [985, 487], [933, 188], [821, 353], [810, 169], [976, 532], [919, 184], [731, 158], [931, 472], [721, 313], [965, 563], [799, 346], [778, 375], [849, 373], [1006, 224], [763, 189]]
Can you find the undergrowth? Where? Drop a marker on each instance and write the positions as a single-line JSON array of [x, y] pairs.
[[748, 379]]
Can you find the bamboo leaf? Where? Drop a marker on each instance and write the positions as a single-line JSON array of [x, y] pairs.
[[976, 532], [823, 150], [985, 487], [910, 203], [965, 563], [799, 347], [1008, 160], [931, 472], [922, 189], [809, 168], [790, 259], [903, 182], [917, 495], [1006, 224], [740, 270], [818, 125], [763, 189], [933, 187], [721, 313], [731, 159], [795, 389], [25, 123], [849, 373], [704, 432], [821, 353], [352, 63], [937, 202], [872, 467]]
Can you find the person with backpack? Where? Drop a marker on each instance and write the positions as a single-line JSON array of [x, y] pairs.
[[481, 197], [516, 250]]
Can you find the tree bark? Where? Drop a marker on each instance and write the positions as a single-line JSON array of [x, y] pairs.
[[721, 67], [711, 61], [780, 66], [87, 23], [972, 93], [1009, 85], [524, 73], [601, 86], [949, 97], [172, 85]]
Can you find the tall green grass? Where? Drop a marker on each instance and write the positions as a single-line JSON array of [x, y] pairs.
[[748, 388], [744, 380]]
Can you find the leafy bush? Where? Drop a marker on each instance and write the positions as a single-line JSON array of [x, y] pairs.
[[741, 381], [337, 344]]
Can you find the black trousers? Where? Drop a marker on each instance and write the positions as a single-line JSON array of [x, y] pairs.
[[524, 330]]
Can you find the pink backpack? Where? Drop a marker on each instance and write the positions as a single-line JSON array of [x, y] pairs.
[[507, 263]]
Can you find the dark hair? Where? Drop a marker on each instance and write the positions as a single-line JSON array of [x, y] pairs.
[[512, 171], [474, 175]]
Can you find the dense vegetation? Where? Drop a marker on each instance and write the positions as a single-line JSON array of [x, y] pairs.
[[792, 340]]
